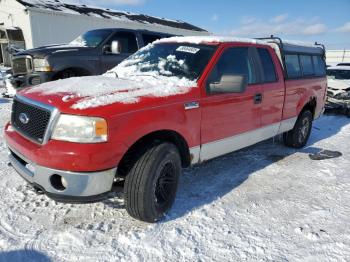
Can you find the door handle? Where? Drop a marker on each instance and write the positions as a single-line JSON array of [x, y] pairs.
[[258, 98]]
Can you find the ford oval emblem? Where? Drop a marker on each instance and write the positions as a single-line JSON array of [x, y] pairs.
[[24, 118]]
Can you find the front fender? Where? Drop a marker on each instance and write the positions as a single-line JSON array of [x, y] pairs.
[[87, 64], [129, 128]]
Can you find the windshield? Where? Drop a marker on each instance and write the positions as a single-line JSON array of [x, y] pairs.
[[167, 60], [338, 74], [91, 38]]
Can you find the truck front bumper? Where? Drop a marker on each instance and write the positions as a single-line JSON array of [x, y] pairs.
[[64, 186]]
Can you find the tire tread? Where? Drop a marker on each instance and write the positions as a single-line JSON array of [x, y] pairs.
[[137, 181]]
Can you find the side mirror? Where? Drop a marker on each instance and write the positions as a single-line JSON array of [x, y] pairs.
[[229, 84], [116, 47]]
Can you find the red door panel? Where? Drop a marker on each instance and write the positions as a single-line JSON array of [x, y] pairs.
[[272, 103], [227, 115]]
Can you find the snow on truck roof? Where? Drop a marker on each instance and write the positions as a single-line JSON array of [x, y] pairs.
[[57, 6], [208, 39], [288, 45]]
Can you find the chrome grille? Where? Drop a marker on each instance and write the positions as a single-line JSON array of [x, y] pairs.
[[30, 120], [22, 65]]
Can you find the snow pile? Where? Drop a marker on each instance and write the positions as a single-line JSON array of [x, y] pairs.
[[5, 82], [10, 89]]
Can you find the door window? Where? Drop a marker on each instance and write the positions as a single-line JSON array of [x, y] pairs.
[[126, 40], [234, 61], [269, 72]]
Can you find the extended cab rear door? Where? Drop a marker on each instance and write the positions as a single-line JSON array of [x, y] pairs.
[[231, 120], [273, 88]]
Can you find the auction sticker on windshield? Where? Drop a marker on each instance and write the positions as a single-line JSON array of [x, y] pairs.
[[188, 49]]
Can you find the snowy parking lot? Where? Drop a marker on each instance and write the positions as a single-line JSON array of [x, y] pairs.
[[263, 203]]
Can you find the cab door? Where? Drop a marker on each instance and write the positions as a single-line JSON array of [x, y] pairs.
[[230, 120]]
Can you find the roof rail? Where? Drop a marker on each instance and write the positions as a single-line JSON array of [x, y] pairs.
[[280, 46], [272, 37], [323, 47]]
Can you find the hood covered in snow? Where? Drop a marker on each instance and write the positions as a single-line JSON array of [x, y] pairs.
[[96, 91]]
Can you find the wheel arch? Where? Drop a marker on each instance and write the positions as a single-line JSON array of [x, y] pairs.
[[79, 70], [310, 105], [153, 138]]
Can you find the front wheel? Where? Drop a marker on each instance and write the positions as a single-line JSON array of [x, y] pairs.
[[299, 135], [151, 185]]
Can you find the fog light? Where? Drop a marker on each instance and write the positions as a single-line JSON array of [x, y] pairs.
[[57, 182], [64, 182]]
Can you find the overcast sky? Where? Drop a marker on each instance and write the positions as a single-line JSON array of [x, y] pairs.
[[325, 21]]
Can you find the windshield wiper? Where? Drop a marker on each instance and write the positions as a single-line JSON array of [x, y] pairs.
[[144, 75]]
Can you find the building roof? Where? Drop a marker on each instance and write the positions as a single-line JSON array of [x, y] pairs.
[[58, 6]]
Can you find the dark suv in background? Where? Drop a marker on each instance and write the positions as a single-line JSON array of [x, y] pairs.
[[92, 53]]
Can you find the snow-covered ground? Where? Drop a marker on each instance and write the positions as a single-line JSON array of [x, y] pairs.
[[263, 203], [4, 77]]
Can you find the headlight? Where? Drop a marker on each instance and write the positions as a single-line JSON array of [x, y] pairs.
[[41, 65], [80, 129]]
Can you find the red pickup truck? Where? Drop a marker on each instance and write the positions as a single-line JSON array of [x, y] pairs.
[[177, 102]]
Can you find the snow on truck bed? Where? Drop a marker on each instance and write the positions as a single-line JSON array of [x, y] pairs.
[[263, 203]]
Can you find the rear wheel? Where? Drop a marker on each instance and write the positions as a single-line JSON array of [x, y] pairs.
[[151, 184], [299, 135]]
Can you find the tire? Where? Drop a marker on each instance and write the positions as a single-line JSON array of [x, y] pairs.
[[299, 135], [151, 184]]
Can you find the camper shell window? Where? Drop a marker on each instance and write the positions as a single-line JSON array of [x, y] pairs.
[[304, 66], [302, 61]]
